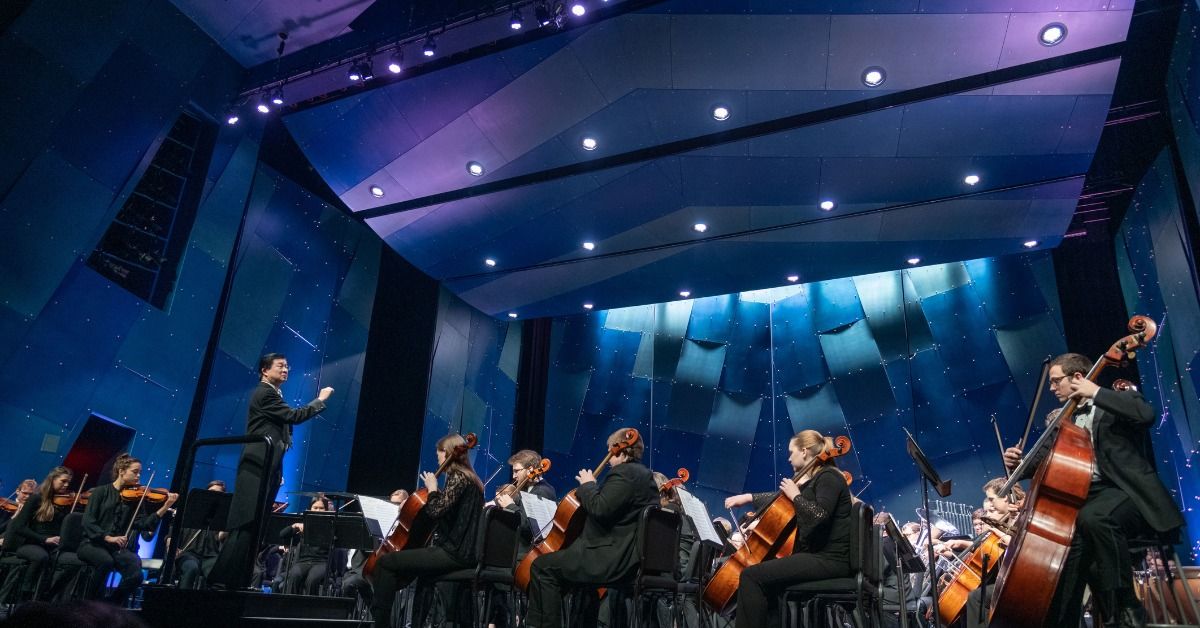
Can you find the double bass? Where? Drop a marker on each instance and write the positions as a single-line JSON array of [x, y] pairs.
[[569, 518], [1032, 565], [411, 529], [774, 532]]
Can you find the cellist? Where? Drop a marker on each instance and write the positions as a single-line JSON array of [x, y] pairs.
[[1126, 497], [823, 526], [456, 511]]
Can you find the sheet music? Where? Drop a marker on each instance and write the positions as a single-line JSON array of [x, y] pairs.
[[695, 509], [540, 510], [380, 512]]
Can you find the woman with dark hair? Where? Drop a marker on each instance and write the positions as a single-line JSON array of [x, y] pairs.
[[33, 533], [309, 566], [106, 526], [455, 511]]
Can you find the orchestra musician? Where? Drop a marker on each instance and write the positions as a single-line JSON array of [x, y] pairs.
[[33, 534], [1126, 497], [24, 491], [307, 571], [353, 582], [823, 525], [268, 415], [106, 523], [195, 558], [1003, 511], [456, 512], [606, 550], [522, 462]]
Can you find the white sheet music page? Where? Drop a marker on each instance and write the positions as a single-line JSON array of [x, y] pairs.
[[540, 510], [381, 511], [695, 509]]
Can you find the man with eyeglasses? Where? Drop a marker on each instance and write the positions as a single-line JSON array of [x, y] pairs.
[[24, 490], [1126, 498]]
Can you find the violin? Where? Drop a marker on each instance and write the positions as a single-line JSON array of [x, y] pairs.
[[569, 518], [1033, 563], [144, 493], [9, 506], [773, 536], [411, 529]]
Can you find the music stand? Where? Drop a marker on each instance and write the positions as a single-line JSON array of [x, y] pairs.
[[907, 561], [277, 521], [928, 476]]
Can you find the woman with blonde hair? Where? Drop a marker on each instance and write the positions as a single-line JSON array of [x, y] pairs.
[[822, 548], [33, 533]]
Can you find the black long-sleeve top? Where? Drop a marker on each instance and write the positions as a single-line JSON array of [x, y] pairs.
[[26, 529], [456, 511], [308, 553], [822, 514], [108, 515]]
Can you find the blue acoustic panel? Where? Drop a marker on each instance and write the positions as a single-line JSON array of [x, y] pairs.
[[510, 355], [700, 364], [931, 280], [611, 372], [735, 417], [941, 426], [857, 371], [643, 366], [1026, 345], [638, 318], [799, 362], [1002, 401], [447, 375], [669, 450], [691, 407], [965, 338], [747, 366], [815, 409], [668, 350], [1007, 288], [671, 318], [835, 304], [564, 402], [723, 463], [574, 342], [711, 318]]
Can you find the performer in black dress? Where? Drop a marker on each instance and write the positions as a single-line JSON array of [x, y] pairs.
[[33, 534], [456, 512], [268, 415], [823, 526], [105, 525]]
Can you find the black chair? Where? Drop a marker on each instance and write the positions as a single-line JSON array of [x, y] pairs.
[[688, 582], [496, 550], [12, 575], [856, 593], [658, 573], [80, 573]]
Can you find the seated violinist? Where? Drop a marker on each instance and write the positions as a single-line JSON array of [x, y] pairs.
[[455, 511], [13, 506], [822, 548], [308, 568], [107, 529], [1126, 497], [606, 550], [34, 533], [998, 517]]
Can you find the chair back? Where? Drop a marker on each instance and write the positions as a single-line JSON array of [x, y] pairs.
[[499, 537], [658, 542], [71, 532], [863, 554]]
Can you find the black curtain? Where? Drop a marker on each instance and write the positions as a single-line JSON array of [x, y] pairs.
[[529, 421]]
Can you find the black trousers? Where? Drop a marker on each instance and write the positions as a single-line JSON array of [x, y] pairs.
[[192, 567], [1099, 555], [38, 557], [396, 570], [305, 578], [107, 560], [762, 582], [355, 585]]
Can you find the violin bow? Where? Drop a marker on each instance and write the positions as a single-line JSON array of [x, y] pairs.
[[1000, 443], [141, 501], [75, 502]]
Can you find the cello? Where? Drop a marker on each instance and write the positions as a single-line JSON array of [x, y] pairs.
[[569, 518], [1033, 563], [411, 529], [531, 476], [775, 530]]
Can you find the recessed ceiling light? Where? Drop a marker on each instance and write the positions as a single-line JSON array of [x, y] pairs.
[[475, 168], [828, 205], [396, 62], [514, 22], [1052, 34], [874, 76], [489, 261], [376, 191], [793, 278], [263, 107], [1029, 244], [277, 96], [721, 113], [589, 143], [429, 48], [587, 306], [512, 314], [589, 245], [914, 261], [578, 9], [971, 179], [231, 118], [700, 227], [685, 294]]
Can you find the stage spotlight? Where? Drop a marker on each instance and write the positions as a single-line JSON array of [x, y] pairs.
[[578, 10], [589, 143], [971, 179], [1052, 34], [1029, 244], [828, 205], [354, 73], [913, 261], [231, 118], [396, 62], [475, 168], [721, 113], [277, 96], [262, 105], [515, 21], [429, 47], [874, 76]]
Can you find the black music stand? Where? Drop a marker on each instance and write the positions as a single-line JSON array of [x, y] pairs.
[[928, 476], [907, 561], [206, 510], [276, 522]]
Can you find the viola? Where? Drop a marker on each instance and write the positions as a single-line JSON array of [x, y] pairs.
[[1032, 565], [411, 529], [569, 518], [9, 506], [772, 536]]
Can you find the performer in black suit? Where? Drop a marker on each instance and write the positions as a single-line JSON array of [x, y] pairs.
[[606, 550], [199, 550], [33, 532], [268, 415], [1126, 497], [823, 526], [522, 462], [456, 512]]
